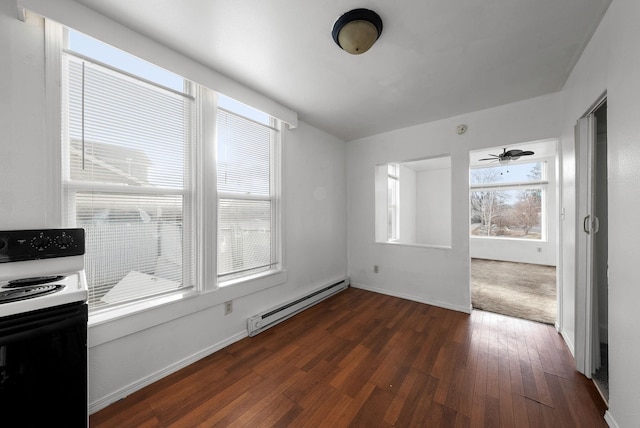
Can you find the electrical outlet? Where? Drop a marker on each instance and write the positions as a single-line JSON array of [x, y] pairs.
[[376, 269], [228, 307]]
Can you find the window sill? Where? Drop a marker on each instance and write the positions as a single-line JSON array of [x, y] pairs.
[[236, 288], [112, 324], [262, 277], [499, 238], [404, 244], [101, 316]]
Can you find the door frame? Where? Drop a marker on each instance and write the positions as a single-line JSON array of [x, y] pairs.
[[585, 227]]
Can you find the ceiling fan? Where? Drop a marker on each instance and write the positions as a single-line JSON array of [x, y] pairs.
[[508, 155]]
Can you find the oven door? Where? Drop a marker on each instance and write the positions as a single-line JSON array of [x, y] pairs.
[[43, 367]]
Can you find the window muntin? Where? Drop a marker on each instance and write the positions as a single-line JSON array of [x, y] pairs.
[[247, 171], [507, 201], [127, 147]]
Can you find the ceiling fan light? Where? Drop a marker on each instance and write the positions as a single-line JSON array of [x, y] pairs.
[[357, 30]]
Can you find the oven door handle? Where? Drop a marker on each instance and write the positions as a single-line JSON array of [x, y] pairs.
[[26, 334]]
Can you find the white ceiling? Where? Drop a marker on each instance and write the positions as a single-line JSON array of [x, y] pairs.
[[435, 58]]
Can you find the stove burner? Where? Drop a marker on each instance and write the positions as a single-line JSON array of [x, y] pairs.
[[28, 292], [23, 282]]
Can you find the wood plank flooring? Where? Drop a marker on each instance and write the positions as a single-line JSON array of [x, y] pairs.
[[362, 359]]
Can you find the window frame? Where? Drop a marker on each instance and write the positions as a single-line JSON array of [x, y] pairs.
[[540, 184], [70, 188], [118, 321], [274, 197]]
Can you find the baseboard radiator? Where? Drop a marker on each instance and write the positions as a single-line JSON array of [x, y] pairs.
[[273, 316]]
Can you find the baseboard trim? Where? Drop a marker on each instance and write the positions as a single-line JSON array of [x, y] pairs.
[[610, 421], [457, 308], [105, 401], [569, 343]]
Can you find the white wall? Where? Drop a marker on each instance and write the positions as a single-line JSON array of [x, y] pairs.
[[623, 102], [407, 223], [433, 275], [381, 198], [585, 85], [314, 227], [23, 159], [433, 207], [543, 252], [607, 65]]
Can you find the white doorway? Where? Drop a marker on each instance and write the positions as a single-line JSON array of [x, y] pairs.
[[513, 236]]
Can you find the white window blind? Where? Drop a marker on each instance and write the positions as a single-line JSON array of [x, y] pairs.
[[126, 155], [246, 171]]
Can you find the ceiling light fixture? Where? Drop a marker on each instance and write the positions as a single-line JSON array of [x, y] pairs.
[[357, 30]]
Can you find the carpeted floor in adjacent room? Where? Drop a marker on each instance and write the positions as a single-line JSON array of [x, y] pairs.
[[520, 290]]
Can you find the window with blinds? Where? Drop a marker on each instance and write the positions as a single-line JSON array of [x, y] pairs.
[[247, 172], [127, 144]]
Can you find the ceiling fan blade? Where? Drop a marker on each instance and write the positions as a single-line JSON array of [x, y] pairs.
[[512, 153], [526, 153], [488, 159]]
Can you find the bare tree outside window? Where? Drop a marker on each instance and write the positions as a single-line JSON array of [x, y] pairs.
[[486, 206], [526, 212]]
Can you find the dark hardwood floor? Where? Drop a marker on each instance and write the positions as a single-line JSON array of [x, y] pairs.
[[363, 359]]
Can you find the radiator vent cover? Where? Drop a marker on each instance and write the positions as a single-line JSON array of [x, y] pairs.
[[273, 316]]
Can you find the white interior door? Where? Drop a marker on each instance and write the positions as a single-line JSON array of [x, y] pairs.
[[587, 352]]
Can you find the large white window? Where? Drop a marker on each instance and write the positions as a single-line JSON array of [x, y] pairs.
[[127, 147], [508, 201], [247, 171], [137, 173]]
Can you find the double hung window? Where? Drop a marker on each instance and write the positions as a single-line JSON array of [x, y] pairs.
[[247, 171], [133, 176], [127, 147]]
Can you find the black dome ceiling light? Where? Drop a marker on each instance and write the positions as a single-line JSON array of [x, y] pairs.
[[357, 30]]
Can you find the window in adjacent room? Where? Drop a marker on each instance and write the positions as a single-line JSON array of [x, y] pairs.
[[508, 201], [127, 177], [393, 201], [413, 202], [248, 191]]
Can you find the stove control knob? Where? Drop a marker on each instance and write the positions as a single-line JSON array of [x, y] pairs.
[[64, 241], [40, 242]]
